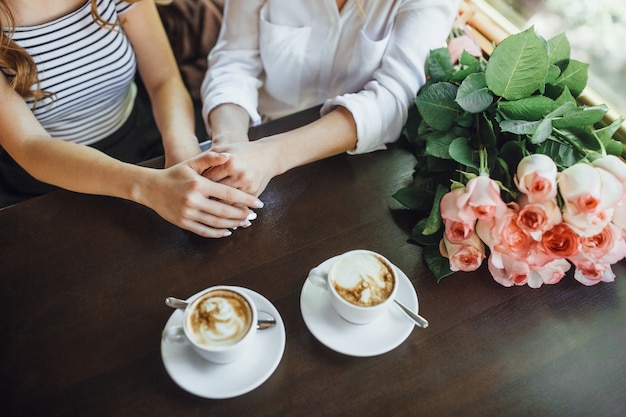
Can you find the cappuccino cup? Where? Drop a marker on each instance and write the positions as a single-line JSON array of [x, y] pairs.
[[219, 323], [361, 284]]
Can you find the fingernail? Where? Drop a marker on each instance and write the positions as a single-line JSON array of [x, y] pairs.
[[251, 216], [258, 204], [227, 233], [245, 223]]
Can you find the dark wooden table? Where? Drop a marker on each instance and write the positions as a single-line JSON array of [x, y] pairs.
[[83, 281]]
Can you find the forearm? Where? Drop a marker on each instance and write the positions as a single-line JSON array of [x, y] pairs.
[[173, 112], [81, 168], [330, 135], [229, 124]]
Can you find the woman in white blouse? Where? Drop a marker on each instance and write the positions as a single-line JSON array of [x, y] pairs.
[[362, 60]]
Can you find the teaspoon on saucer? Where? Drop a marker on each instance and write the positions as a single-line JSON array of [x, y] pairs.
[[419, 320], [261, 323]]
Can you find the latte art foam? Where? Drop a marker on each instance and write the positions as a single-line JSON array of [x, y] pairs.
[[363, 279], [219, 318]]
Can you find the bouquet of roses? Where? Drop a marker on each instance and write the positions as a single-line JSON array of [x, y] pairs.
[[510, 168]]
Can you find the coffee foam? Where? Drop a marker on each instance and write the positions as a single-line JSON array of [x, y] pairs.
[[219, 318], [363, 279]]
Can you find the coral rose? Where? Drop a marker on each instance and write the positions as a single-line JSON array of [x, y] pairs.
[[536, 177], [535, 218], [560, 241]]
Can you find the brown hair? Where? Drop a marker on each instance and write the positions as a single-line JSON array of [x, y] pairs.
[[18, 65]]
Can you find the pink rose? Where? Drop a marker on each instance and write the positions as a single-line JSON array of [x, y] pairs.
[[483, 196], [507, 237], [458, 219], [550, 273], [536, 177], [590, 273], [597, 254], [586, 189], [535, 218], [619, 216], [466, 42], [560, 241], [507, 271], [614, 165], [587, 224], [465, 256]]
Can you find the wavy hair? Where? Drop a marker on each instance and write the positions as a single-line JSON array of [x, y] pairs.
[[18, 65]]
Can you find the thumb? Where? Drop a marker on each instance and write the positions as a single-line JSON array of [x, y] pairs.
[[208, 160]]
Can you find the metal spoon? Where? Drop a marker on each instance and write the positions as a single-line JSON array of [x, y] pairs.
[[261, 323], [419, 320]]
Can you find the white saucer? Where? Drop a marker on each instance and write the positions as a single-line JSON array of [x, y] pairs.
[[371, 339], [209, 380]]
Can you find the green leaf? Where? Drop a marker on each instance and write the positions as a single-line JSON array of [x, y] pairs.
[[460, 75], [519, 127], [414, 198], [529, 108], [439, 65], [434, 222], [543, 131], [574, 77], [606, 133], [518, 66], [583, 137], [436, 104], [436, 263], [462, 151], [560, 50], [438, 144], [418, 236], [473, 95], [553, 73], [581, 116], [467, 59], [566, 97], [563, 155], [615, 147]]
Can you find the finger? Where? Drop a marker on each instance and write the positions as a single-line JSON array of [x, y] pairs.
[[208, 225], [216, 173], [208, 159], [204, 230], [232, 195]]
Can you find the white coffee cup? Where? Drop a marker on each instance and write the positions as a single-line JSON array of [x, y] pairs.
[[220, 323], [361, 283]]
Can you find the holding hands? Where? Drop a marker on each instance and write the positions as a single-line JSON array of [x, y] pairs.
[[182, 196]]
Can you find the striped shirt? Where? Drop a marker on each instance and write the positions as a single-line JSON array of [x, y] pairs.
[[88, 68]]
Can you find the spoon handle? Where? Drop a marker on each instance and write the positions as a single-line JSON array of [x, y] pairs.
[[419, 320], [262, 324]]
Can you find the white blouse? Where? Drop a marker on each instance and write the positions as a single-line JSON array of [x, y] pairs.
[[276, 57]]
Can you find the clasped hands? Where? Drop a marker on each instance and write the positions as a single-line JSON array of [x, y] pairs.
[[214, 192]]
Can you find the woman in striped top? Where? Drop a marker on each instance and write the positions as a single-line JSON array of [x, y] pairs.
[[66, 80]]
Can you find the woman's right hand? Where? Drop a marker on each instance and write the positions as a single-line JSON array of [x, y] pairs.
[[182, 196]]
